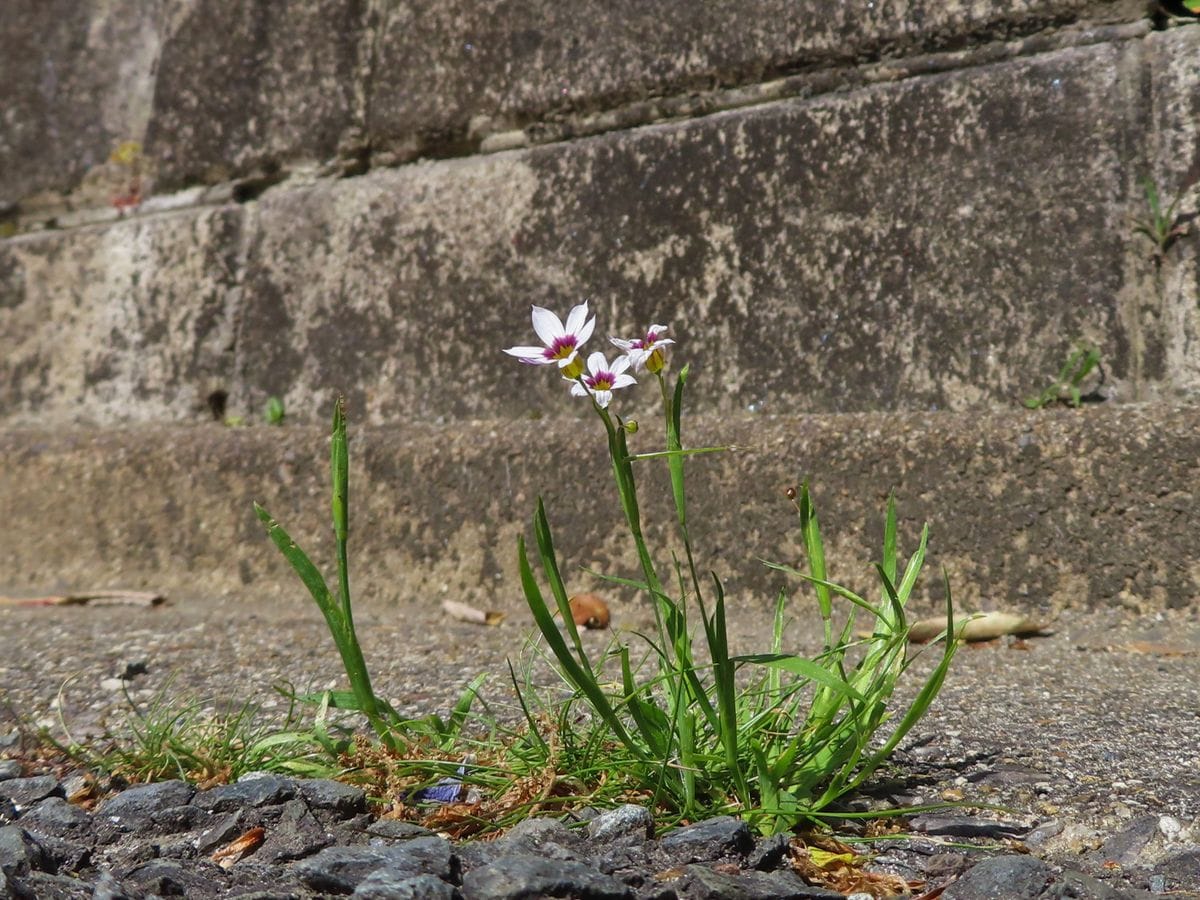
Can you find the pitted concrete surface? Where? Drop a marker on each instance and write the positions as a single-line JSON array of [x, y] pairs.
[[1082, 732]]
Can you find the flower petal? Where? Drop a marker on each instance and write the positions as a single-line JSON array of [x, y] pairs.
[[603, 398], [547, 325], [576, 317], [533, 355], [621, 343], [597, 363], [623, 381], [578, 390], [620, 364], [586, 331]]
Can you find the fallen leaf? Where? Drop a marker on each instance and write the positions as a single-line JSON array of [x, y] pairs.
[[985, 627], [93, 598], [589, 611], [465, 613], [226, 856]]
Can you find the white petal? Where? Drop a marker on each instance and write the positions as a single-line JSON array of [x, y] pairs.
[[566, 360], [535, 355], [622, 381], [603, 398], [657, 329], [597, 363], [621, 342], [576, 318], [578, 390], [547, 325], [620, 364], [586, 331]]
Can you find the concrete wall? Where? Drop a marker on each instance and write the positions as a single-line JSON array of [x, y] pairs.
[[916, 208]]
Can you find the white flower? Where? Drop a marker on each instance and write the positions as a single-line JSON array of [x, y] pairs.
[[602, 379], [561, 342], [646, 352]]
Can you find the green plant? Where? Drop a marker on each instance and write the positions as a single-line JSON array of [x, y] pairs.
[[274, 413], [1066, 388], [183, 738], [1161, 226], [776, 737]]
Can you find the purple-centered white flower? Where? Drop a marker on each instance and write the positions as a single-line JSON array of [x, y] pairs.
[[602, 379], [561, 342], [646, 352]]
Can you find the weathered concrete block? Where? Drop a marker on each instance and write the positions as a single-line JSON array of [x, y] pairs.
[[1175, 279], [125, 322], [937, 242], [253, 86], [78, 81], [450, 73], [217, 92], [1031, 510]]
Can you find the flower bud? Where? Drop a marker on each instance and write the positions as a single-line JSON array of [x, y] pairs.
[[631, 426], [573, 369], [655, 361]]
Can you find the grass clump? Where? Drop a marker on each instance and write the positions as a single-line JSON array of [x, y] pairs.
[[676, 721]]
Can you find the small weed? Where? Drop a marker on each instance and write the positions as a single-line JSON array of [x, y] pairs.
[[1067, 388], [274, 413], [1163, 226], [185, 738]]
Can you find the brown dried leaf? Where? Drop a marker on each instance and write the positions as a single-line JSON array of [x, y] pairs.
[[226, 856], [465, 613]]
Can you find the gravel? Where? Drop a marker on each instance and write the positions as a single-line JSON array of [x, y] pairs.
[[1087, 739]]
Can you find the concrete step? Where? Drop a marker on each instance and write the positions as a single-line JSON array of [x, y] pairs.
[[893, 247], [212, 94], [1063, 508]]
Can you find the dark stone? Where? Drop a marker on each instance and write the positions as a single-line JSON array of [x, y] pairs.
[[702, 883], [295, 835], [624, 821], [108, 888], [341, 869], [947, 865], [1010, 877], [133, 807], [325, 794], [966, 826], [175, 819], [220, 833], [25, 792], [55, 816], [1126, 846], [395, 830], [44, 886], [546, 837], [260, 791], [769, 852], [1077, 886], [717, 838], [59, 855], [1181, 871], [19, 854], [384, 885], [9, 769], [174, 878], [521, 875]]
